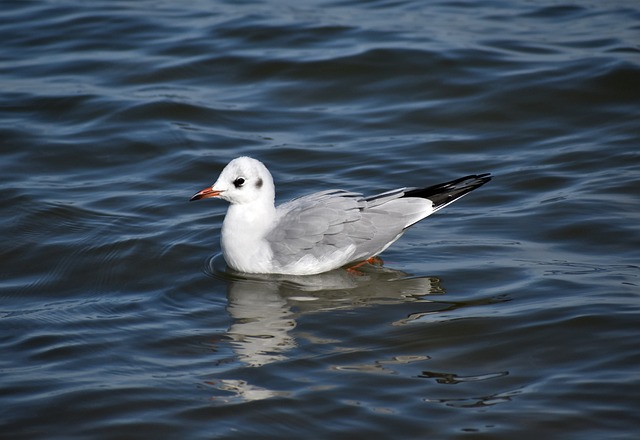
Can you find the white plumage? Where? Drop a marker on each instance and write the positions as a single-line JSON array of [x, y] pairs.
[[321, 231]]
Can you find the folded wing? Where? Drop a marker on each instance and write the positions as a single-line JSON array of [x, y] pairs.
[[343, 227]]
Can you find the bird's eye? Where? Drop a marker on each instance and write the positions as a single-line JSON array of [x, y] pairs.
[[238, 182]]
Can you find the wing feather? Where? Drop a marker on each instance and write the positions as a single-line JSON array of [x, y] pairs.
[[318, 224], [335, 222]]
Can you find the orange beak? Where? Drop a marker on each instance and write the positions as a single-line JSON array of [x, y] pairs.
[[205, 194]]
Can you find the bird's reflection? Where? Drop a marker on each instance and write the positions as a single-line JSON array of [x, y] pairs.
[[264, 308], [262, 320]]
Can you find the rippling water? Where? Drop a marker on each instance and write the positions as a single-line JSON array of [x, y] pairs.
[[512, 313]]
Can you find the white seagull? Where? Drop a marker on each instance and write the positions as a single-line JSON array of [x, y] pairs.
[[321, 231]]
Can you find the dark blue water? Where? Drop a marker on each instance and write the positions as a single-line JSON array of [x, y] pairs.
[[513, 313]]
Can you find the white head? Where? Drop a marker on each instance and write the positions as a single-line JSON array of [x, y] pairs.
[[244, 180]]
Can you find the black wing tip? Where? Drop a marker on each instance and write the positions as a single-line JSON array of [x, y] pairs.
[[445, 193], [484, 177]]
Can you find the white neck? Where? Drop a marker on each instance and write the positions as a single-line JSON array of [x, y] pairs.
[[243, 232]]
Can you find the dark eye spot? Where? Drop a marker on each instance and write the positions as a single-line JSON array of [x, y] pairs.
[[238, 182], [259, 183]]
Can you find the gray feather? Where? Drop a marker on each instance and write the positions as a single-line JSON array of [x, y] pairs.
[[325, 222], [321, 223]]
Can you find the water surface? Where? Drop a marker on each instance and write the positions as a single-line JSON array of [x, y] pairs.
[[512, 313]]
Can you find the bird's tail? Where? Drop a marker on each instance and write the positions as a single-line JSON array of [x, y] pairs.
[[445, 193]]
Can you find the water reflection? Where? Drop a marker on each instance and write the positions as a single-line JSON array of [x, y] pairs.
[[264, 307], [262, 320], [243, 391], [264, 310], [479, 401]]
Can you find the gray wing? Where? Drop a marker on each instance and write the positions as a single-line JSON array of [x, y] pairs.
[[345, 227], [328, 222]]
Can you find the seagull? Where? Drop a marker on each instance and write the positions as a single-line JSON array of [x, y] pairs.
[[318, 232]]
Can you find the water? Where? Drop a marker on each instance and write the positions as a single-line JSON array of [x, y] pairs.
[[512, 313]]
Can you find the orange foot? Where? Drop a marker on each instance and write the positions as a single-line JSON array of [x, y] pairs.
[[375, 261]]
